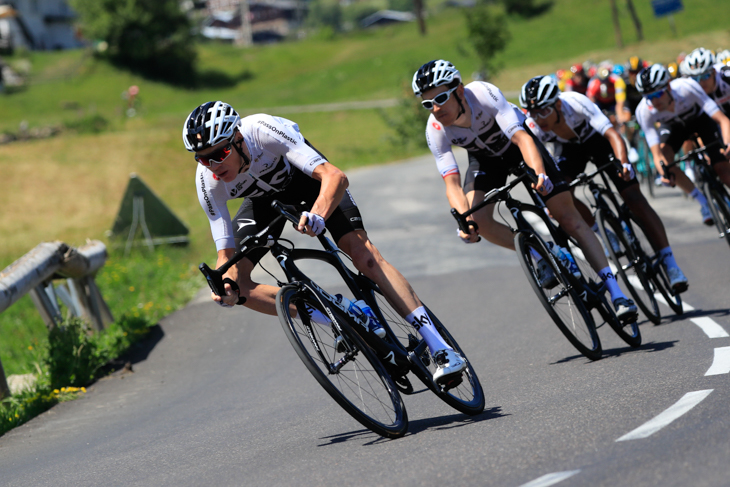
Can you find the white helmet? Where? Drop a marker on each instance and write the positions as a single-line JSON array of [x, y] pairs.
[[539, 92], [209, 124], [723, 57], [698, 62], [433, 74], [652, 79]]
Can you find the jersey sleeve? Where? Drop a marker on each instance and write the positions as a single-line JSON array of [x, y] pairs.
[[440, 147], [593, 87], [282, 136], [507, 114], [620, 86], [212, 197], [646, 121], [592, 113], [695, 91]]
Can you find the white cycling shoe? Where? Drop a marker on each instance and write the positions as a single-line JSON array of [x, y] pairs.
[[625, 310], [677, 280], [450, 364]]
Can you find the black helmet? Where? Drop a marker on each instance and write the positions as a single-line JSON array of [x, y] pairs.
[[539, 92], [433, 74], [652, 79], [208, 125]]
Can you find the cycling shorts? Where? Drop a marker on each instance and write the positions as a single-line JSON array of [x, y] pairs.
[[487, 171], [674, 134], [256, 213], [596, 149]]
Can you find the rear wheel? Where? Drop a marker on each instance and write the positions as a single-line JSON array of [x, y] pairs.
[[351, 373], [630, 263], [467, 395], [561, 302], [720, 212]]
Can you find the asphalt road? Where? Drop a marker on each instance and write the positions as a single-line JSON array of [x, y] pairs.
[[222, 399]]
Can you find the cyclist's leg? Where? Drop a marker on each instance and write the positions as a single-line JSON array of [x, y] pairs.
[[484, 174], [722, 169], [709, 132]]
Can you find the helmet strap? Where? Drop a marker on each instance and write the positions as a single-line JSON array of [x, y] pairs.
[[239, 149], [461, 106]]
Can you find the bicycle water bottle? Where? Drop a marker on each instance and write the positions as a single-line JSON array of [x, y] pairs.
[[565, 257], [353, 309], [628, 232], [374, 324]]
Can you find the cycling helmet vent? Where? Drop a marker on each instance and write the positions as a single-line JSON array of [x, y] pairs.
[[208, 125], [698, 62], [433, 74], [652, 79], [539, 92], [723, 57]]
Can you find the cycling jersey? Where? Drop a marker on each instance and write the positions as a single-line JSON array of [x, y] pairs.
[[278, 151], [493, 123], [690, 101], [608, 91], [633, 98], [571, 85], [721, 95], [581, 115]]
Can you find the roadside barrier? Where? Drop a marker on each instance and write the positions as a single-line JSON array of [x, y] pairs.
[[35, 272]]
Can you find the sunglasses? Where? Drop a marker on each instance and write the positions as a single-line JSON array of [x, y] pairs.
[[655, 95], [216, 157], [702, 77], [541, 113], [439, 99]]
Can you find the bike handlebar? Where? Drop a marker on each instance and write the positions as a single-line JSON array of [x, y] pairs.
[[687, 156]]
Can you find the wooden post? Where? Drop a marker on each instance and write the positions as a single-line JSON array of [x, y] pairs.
[[4, 389]]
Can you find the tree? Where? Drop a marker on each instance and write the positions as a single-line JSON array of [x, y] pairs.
[[635, 18], [153, 38], [488, 35], [616, 24]]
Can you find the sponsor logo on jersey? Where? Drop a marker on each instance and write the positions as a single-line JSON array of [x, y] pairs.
[[458, 141], [436, 126], [205, 194], [355, 219], [494, 97], [479, 115], [244, 222], [278, 132]]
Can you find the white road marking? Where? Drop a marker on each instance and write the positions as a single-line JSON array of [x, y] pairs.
[[721, 362], [687, 402], [711, 328], [550, 479]]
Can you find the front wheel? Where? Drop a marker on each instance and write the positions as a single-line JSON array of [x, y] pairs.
[[342, 363], [719, 204], [561, 301]]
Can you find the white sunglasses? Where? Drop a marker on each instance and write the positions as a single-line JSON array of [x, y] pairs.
[[439, 99]]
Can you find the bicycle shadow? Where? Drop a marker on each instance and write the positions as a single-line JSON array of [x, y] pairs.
[[617, 352], [695, 313], [450, 421]]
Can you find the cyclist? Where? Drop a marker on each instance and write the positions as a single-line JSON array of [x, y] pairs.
[[478, 118], [575, 131], [714, 78], [608, 92], [578, 81], [633, 97], [261, 158], [682, 109], [723, 57]]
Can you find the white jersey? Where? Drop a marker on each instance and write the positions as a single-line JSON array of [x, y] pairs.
[[721, 95], [690, 101], [581, 115], [277, 150], [493, 123]]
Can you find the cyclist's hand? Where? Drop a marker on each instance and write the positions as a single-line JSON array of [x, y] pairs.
[[229, 300], [469, 238], [310, 223], [628, 172], [544, 186]]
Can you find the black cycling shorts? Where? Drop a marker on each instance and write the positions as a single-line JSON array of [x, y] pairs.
[[597, 149], [675, 133], [302, 191], [487, 171]]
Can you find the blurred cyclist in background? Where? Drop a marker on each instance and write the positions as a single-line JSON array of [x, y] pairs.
[[578, 81]]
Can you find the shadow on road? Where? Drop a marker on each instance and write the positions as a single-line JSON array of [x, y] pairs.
[[617, 352], [136, 353], [695, 313], [417, 426]]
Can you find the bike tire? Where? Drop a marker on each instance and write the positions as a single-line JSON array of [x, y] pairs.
[[565, 307], [648, 163], [468, 396], [362, 387], [630, 264], [658, 274], [720, 212]]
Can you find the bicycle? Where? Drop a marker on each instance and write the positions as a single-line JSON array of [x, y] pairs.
[[570, 302], [710, 185], [645, 165], [363, 373], [641, 272]]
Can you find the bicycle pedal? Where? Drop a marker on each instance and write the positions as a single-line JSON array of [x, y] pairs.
[[340, 345], [451, 382]]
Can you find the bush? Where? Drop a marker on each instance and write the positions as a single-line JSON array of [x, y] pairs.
[[409, 122], [488, 35]]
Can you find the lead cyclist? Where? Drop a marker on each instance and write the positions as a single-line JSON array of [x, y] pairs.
[[478, 118], [261, 158]]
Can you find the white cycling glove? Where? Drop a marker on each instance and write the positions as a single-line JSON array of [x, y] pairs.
[[315, 222], [630, 167], [224, 305], [546, 182], [465, 240]]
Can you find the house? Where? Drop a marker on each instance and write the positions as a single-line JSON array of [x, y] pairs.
[[384, 17], [267, 20], [37, 24]]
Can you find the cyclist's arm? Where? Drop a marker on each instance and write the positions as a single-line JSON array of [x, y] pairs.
[[724, 123], [231, 297], [619, 149], [531, 154], [334, 183]]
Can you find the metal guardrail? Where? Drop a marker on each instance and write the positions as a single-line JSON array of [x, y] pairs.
[[35, 272]]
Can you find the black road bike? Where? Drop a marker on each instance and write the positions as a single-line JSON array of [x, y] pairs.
[[577, 304], [363, 373], [711, 186], [641, 270]]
